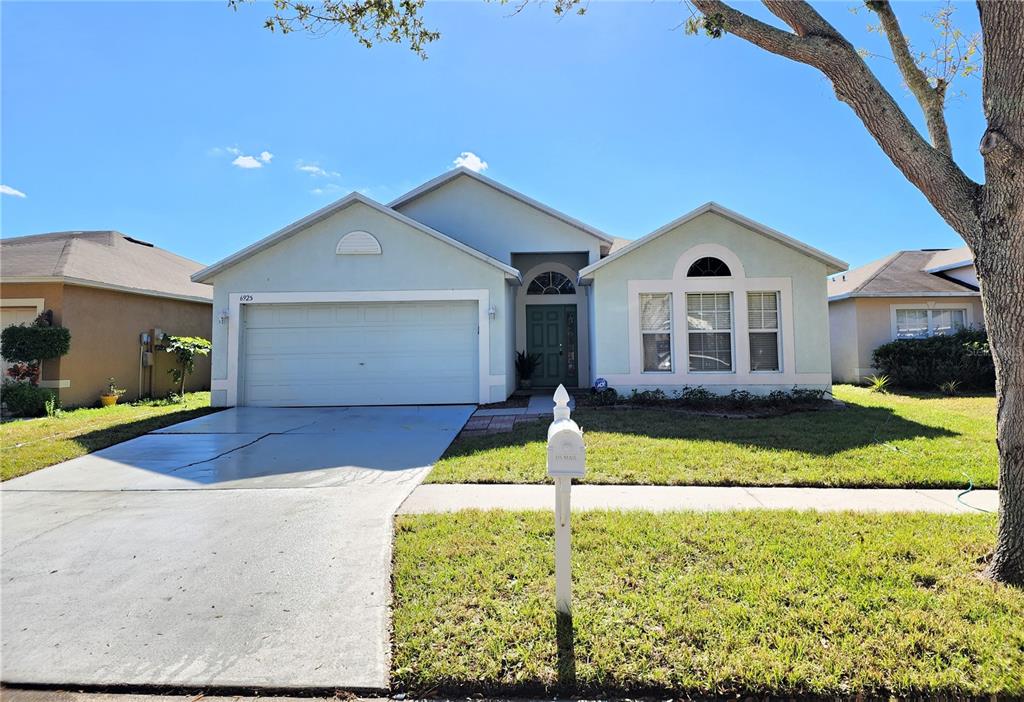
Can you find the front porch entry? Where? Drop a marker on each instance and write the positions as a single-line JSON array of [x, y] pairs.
[[552, 333]]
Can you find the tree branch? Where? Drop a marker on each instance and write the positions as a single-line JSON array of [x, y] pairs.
[[817, 43], [931, 99]]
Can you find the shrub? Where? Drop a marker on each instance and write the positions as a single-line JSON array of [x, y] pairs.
[[950, 388], [741, 399], [34, 343], [926, 363], [697, 396], [602, 398], [648, 397], [24, 371], [25, 399], [878, 383]]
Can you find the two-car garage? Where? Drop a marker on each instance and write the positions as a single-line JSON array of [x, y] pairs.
[[360, 353]]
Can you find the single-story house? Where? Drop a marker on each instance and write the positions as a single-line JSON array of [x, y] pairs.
[[108, 289], [429, 298], [906, 295]]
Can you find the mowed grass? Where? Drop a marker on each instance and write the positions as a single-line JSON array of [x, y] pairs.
[[760, 603], [878, 440], [30, 444]]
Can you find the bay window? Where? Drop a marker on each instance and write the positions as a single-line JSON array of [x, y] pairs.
[[763, 330], [656, 331], [709, 331]]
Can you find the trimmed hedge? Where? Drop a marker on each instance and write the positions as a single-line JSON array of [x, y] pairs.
[[926, 363], [25, 399], [34, 343]]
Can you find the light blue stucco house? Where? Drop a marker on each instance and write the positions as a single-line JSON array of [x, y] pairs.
[[427, 299]]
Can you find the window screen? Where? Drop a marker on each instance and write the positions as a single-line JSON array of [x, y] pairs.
[[709, 331], [763, 325]]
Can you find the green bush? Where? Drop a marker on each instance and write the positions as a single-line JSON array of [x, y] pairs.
[[34, 343], [25, 399], [927, 363]]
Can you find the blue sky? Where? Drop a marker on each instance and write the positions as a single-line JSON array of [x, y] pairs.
[[131, 116]]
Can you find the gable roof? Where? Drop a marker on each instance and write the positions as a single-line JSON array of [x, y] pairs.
[[901, 274], [833, 264], [294, 228], [451, 175], [104, 259]]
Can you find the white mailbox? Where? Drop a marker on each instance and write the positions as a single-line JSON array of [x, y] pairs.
[[567, 456]]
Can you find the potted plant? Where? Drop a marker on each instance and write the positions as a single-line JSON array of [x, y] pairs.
[[526, 364], [109, 396]]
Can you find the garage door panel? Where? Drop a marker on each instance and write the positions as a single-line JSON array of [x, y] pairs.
[[361, 353]]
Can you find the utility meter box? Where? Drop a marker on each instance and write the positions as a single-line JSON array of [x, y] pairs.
[[567, 456]]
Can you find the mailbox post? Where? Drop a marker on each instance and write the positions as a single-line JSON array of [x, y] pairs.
[[566, 460]]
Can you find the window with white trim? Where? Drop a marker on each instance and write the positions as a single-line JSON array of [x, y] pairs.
[[922, 323], [763, 330], [709, 331], [656, 331]]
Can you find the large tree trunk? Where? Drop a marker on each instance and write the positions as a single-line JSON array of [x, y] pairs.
[[1000, 263], [999, 255]]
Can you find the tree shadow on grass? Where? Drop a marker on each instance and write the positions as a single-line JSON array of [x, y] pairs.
[[820, 433]]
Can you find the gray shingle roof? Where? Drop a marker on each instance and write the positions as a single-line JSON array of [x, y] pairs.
[[901, 273], [104, 258]]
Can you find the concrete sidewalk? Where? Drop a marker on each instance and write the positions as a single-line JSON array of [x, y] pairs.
[[452, 498]]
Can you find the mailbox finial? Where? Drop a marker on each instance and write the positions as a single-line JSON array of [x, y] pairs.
[[561, 403]]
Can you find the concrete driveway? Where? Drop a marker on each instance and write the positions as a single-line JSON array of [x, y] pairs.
[[246, 548]]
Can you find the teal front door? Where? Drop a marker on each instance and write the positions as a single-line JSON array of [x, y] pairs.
[[551, 333]]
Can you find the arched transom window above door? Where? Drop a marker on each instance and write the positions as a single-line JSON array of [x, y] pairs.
[[708, 267], [551, 283]]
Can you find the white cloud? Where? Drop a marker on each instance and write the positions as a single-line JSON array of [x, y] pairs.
[[8, 190], [315, 170], [467, 159], [328, 189], [247, 162], [242, 160]]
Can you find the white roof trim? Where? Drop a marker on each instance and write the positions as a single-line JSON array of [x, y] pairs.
[[204, 275], [455, 173], [84, 283], [817, 254], [847, 295]]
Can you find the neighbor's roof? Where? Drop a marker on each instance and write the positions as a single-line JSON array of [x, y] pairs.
[[104, 259], [205, 274], [620, 249], [903, 274], [451, 175], [950, 259]]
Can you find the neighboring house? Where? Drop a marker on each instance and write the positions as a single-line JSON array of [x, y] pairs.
[[428, 299], [107, 289], [906, 295]]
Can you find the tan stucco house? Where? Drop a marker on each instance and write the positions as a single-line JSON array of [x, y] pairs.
[[906, 295], [108, 289]]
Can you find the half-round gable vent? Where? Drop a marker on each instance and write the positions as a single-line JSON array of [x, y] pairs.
[[355, 243]]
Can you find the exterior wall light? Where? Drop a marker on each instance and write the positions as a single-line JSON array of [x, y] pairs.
[[492, 311]]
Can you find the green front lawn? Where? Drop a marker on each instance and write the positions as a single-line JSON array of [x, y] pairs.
[[761, 603], [31, 444], [878, 440]]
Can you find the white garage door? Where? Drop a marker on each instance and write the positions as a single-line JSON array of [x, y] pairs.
[[380, 353]]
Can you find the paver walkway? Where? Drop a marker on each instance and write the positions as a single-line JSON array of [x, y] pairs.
[[451, 498]]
